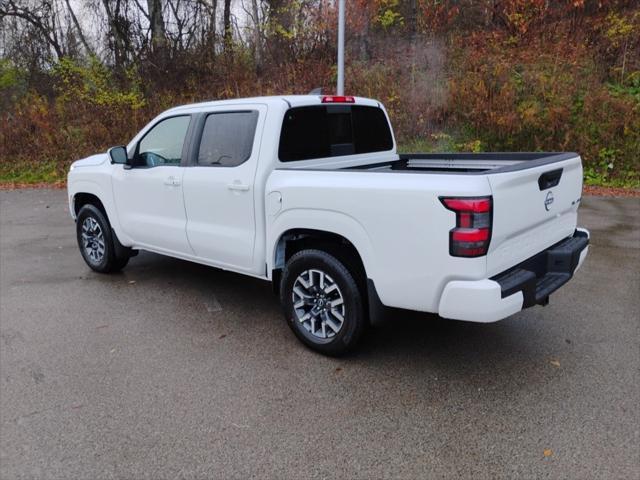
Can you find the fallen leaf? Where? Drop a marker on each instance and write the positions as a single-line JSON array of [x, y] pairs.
[[213, 305], [547, 452], [240, 426], [555, 363], [338, 369], [223, 335]]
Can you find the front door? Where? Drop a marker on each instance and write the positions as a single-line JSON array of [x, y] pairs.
[[148, 195], [219, 187]]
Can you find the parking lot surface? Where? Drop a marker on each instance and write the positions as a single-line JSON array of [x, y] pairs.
[[176, 370]]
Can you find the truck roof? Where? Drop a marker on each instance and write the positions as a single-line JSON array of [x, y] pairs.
[[292, 100]]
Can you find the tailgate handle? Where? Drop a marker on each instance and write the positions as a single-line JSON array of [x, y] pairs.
[[549, 179]]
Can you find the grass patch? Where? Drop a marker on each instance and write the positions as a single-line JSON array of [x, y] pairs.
[[32, 173], [625, 179]]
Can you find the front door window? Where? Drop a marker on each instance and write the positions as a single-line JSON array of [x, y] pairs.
[[163, 144]]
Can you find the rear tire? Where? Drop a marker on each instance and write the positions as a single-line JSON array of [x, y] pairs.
[[96, 241], [322, 302]]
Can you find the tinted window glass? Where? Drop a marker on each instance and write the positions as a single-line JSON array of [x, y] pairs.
[[371, 130], [304, 134], [162, 145], [340, 130], [227, 139], [333, 130]]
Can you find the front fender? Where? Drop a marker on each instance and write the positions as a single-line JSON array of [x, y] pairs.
[[76, 186]]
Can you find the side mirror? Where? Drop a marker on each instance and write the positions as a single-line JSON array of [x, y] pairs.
[[118, 155]]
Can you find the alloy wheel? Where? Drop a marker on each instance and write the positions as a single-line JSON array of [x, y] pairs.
[[318, 303], [93, 239]]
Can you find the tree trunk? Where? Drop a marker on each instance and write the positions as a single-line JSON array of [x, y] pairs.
[[257, 35], [227, 25], [119, 48], [280, 15], [158, 33], [413, 19], [83, 39], [212, 26]]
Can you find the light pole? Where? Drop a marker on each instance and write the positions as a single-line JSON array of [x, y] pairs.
[[340, 88]]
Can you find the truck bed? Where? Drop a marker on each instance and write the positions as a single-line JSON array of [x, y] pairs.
[[535, 198], [467, 163]]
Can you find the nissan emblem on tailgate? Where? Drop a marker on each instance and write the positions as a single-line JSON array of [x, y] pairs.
[[548, 200]]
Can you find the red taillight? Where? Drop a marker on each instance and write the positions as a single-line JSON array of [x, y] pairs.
[[472, 234], [338, 99], [475, 205]]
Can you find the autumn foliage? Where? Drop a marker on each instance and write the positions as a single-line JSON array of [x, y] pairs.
[[514, 75]]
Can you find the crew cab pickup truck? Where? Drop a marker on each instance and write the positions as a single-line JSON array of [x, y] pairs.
[[309, 193]]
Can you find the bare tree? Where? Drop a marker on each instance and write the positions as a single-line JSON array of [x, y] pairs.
[[257, 38], [158, 32], [209, 26], [78, 28], [227, 25], [41, 15]]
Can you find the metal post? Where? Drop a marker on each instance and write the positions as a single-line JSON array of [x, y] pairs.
[[340, 47]]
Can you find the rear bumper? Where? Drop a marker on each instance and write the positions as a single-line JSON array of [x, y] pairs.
[[527, 284]]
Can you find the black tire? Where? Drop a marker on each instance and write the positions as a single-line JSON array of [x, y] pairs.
[[109, 261], [354, 321]]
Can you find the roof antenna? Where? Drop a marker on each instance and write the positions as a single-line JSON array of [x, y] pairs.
[[316, 91]]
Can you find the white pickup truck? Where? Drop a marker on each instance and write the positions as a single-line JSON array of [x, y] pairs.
[[308, 192]]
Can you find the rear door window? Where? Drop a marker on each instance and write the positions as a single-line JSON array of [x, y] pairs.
[[321, 131], [227, 139]]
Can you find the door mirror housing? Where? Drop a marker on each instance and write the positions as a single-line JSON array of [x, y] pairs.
[[118, 155]]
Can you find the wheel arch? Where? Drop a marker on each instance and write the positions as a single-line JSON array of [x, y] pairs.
[[296, 239], [323, 227], [349, 244], [89, 193], [80, 199]]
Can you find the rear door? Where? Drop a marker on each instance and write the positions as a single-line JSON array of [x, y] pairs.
[[219, 185], [533, 208]]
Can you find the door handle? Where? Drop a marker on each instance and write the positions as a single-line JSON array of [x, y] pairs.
[[172, 181], [549, 179], [238, 186]]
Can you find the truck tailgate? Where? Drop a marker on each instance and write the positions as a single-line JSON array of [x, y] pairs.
[[533, 208]]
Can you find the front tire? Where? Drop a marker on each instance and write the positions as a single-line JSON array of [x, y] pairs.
[[322, 302], [96, 241]]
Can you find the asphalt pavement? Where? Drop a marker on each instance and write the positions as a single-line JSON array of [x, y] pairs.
[[176, 370]]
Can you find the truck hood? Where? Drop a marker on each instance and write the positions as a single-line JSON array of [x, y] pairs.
[[90, 161]]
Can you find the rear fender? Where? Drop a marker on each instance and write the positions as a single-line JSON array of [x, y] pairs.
[[322, 220]]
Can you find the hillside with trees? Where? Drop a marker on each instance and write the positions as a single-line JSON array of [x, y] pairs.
[[77, 76]]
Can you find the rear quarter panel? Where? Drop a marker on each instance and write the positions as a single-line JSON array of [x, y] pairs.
[[395, 220]]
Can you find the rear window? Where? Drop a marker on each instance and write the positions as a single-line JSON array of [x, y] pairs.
[[333, 130]]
